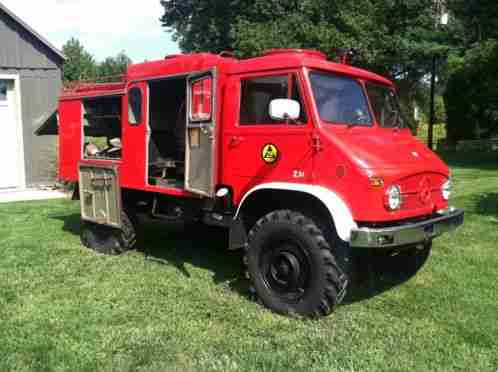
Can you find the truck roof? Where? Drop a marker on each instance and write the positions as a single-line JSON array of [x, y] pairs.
[[80, 89], [189, 63], [278, 58], [292, 58]]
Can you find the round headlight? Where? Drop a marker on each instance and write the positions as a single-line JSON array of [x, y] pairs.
[[393, 198], [446, 189]]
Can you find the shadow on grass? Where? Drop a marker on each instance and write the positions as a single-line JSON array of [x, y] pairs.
[[198, 245], [487, 204], [178, 245], [205, 247], [72, 223], [376, 273]]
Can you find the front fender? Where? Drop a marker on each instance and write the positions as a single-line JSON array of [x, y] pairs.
[[338, 209]]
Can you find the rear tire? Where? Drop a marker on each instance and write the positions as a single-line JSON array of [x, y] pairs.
[[108, 240], [291, 266]]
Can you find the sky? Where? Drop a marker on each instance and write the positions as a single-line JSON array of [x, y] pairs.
[[104, 27]]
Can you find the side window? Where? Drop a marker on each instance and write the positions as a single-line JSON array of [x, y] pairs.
[[201, 107], [135, 106], [257, 93]]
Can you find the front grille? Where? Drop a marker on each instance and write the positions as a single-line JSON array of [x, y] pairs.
[[421, 190]]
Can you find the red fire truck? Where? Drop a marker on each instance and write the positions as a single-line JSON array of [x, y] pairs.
[[303, 160]]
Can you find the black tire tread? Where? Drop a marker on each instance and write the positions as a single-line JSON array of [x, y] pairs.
[[335, 289], [124, 239]]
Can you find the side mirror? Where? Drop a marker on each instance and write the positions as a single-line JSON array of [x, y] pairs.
[[285, 109]]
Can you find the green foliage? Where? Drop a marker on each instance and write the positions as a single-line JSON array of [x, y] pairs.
[[471, 87], [113, 66], [479, 18], [439, 133], [423, 98], [394, 38], [471, 94], [81, 65]]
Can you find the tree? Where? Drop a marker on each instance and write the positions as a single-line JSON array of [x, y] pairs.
[[395, 37], [113, 66], [80, 64], [471, 90], [479, 17], [471, 94]]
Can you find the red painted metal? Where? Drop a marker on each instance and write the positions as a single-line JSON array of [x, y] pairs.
[[308, 154], [308, 52]]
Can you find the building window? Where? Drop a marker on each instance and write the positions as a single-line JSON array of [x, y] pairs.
[[135, 106], [3, 91], [257, 93]]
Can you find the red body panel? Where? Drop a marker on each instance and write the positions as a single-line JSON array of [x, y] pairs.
[[70, 140], [337, 157]]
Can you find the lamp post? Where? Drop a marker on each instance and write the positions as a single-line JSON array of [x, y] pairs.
[[432, 117], [443, 20]]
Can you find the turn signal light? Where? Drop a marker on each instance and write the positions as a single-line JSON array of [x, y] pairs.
[[376, 181]]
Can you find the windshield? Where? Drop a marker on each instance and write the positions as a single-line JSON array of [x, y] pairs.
[[340, 99], [385, 106]]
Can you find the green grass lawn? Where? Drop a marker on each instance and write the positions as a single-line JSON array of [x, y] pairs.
[[184, 305]]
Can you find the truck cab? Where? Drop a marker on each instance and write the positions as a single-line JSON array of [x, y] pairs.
[[303, 160]]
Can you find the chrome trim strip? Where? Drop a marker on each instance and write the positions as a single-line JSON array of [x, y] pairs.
[[411, 233]]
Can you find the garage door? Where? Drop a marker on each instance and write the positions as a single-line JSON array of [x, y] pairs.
[[9, 145]]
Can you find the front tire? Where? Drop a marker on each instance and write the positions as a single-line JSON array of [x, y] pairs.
[[291, 266]]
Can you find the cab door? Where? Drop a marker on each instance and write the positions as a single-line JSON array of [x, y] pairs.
[[258, 149], [201, 129]]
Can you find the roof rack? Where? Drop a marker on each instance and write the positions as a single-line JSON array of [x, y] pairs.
[[105, 83], [172, 56], [309, 52]]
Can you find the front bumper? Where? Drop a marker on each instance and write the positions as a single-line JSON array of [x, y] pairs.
[[408, 234]]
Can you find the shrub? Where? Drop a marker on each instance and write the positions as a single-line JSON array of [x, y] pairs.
[[471, 94]]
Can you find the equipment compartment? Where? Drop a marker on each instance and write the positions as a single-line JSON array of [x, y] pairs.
[[100, 194]]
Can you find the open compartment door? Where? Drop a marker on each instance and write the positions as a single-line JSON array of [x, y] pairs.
[[201, 130], [100, 194]]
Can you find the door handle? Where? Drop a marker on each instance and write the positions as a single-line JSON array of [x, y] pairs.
[[207, 130], [235, 141]]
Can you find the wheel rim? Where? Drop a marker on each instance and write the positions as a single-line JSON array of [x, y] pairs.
[[285, 268]]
